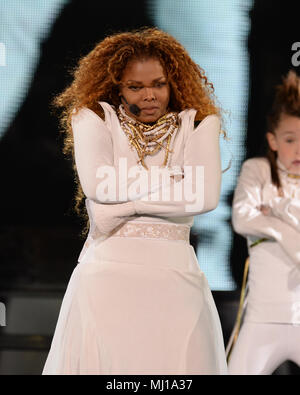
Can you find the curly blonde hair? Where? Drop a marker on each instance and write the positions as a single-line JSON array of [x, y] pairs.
[[98, 75], [286, 101]]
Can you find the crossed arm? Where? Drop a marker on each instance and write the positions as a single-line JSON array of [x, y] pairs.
[[199, 183], [249, 220]]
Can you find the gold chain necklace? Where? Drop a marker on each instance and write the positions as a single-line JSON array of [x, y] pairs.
[[149, 139], [290, 175]]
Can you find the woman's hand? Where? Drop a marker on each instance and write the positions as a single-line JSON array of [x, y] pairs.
[[265, 209], [286, 209], [177, 177]]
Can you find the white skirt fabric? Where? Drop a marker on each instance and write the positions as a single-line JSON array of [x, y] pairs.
[[136, 305]]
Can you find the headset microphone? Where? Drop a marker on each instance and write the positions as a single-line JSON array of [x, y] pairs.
[[133, 108]]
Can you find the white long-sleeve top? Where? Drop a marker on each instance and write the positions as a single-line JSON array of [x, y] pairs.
[[274, 271], [102, 152]]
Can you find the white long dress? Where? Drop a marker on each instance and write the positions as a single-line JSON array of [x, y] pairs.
[[138, 302]]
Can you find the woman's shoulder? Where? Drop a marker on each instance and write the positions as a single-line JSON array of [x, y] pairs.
[[101, 113], [84, 113], [189, 115], [211, 119]]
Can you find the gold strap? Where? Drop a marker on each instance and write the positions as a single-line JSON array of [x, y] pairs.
[[242, 304], [237, 325]]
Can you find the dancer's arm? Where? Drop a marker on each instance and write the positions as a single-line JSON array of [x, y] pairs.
[[248, 219], [200, 185], [201, 182], [94, 159], [288, 210]]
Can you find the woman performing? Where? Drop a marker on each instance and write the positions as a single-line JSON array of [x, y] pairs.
[[266, 210], [143, 128]]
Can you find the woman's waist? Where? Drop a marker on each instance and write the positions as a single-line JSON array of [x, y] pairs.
[[152, 245], [187, 221], [140, 229], [148, 229]]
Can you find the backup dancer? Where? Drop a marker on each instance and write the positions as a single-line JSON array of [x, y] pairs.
[[266, 210]]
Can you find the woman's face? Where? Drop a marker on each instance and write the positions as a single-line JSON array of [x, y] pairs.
[[144, 83], [286, 141]]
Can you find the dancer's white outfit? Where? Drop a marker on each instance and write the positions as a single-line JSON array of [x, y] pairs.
[[138, 302], [270, 333]]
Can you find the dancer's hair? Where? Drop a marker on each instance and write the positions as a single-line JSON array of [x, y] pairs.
[[286, 102]]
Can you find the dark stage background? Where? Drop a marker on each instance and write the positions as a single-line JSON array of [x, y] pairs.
[[39, 233]]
